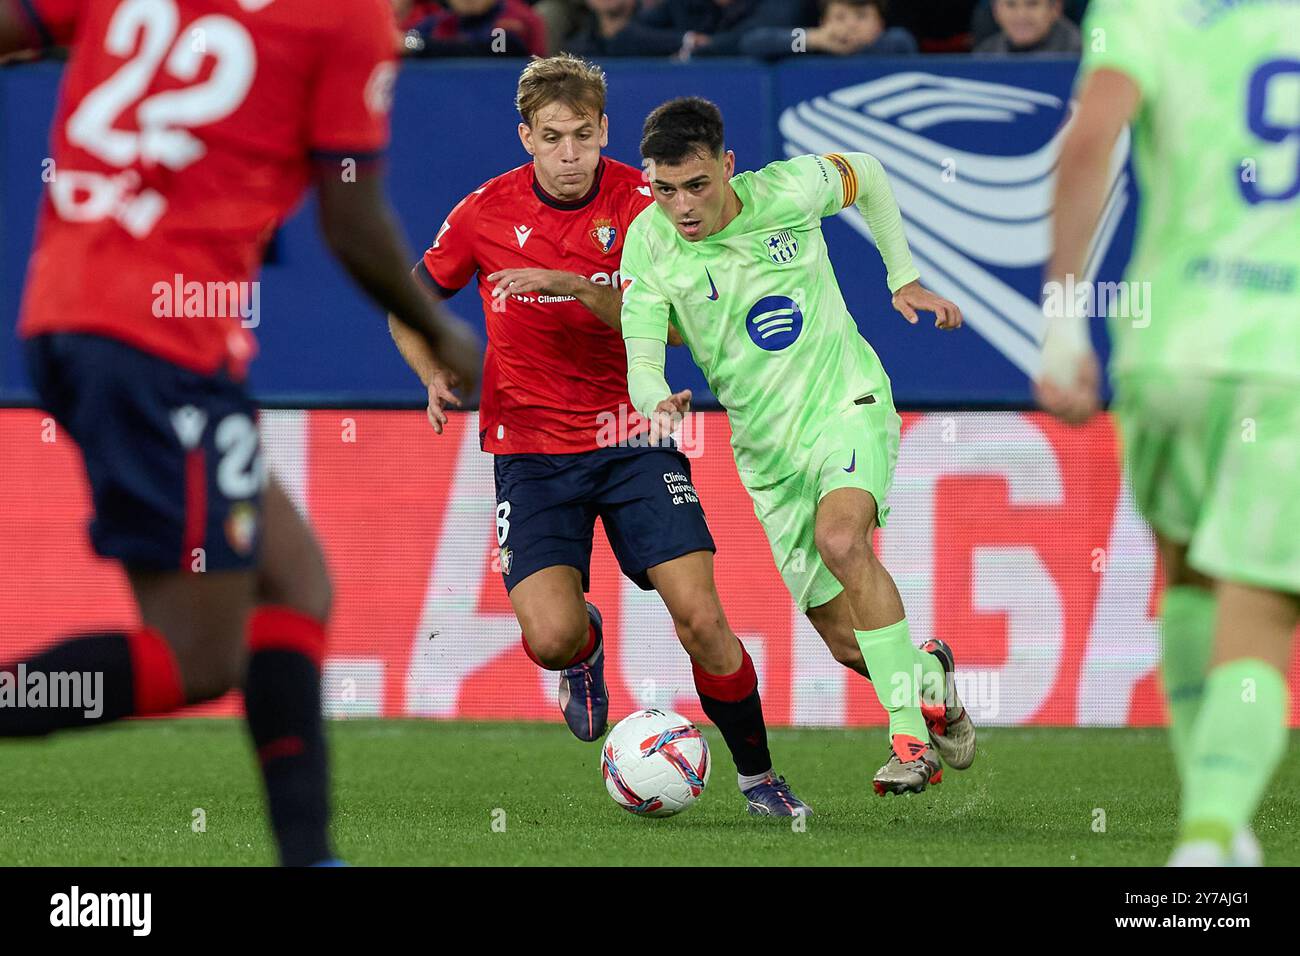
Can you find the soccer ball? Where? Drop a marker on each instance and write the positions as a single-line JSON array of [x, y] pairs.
[[655, 763]]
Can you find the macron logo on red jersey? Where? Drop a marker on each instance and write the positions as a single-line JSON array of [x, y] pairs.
[[436, 239], [522, 233]]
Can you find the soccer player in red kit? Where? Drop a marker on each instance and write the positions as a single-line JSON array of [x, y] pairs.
[[186, 130], [545, 241]]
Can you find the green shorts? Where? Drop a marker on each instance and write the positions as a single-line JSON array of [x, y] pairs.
[[1215, 465], [856, 447]]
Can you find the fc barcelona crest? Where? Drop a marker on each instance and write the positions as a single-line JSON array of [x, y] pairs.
[[782, 247], [603, 234]]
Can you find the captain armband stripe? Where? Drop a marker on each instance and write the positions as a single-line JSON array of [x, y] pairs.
[[848, 178]]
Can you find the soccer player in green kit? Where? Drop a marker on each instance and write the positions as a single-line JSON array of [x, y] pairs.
[[738, 265], [1207, 384]]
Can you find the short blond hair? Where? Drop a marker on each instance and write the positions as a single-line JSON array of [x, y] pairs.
[[563, 78]]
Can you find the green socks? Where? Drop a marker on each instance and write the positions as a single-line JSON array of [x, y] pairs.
[[1228, 728], [1187, 636], [896, 667], [1236, 745]]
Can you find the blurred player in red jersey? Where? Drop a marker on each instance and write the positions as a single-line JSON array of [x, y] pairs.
[[545, 241], [186, 131]]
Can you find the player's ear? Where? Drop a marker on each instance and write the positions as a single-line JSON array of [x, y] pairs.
[[526, 137], [729, 163], [604, 130]]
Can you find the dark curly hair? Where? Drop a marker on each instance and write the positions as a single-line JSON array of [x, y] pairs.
[[681, 128]]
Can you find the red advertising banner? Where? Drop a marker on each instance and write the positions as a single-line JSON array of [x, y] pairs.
[[1010, 536]]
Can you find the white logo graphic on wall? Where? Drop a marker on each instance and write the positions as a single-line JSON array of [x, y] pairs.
[[971, 217]]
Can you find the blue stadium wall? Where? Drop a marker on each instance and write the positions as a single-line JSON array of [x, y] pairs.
[[968, 143]]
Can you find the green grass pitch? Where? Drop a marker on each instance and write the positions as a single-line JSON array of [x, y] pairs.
[[428, 793]]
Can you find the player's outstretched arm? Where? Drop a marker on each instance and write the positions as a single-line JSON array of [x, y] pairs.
[[1070, 381], [645, 325], [646, 384], [438, 380], [875, 200], [605, 302], [360, 230], [649, 390]]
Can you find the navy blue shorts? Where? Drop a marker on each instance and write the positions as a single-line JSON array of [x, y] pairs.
[[173, 457], [547, 507]]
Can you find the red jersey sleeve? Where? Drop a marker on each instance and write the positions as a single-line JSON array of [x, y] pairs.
[[51, 22], [641, 198], [450, 263], [353, 93]]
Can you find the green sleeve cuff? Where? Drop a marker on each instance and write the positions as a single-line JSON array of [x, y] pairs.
[[646, 385]]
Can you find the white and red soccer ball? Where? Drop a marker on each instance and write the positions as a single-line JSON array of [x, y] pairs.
[[655, 763]]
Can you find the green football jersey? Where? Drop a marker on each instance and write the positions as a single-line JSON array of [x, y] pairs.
[[1216, 146], [759, 307]]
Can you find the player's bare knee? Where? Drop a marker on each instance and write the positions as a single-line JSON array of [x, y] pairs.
[[555, 646], [701, 628], [317, 596], [846, 550], [553, 657], [308, 591]]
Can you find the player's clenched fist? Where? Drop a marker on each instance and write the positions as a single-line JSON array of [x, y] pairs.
[[1078, 397], [668, 415]]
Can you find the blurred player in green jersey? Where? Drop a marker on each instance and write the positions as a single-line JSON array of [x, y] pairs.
[[737, 265], [1207, 384]]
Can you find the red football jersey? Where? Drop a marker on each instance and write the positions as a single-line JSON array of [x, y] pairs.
[[186, 131], [553, 372]]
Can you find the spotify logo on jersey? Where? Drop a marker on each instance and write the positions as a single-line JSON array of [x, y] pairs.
[[774, 322]]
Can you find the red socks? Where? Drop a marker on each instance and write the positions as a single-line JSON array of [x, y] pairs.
[[282, 700], [727, 687], [156, 675], [271, 627], [731, 701]]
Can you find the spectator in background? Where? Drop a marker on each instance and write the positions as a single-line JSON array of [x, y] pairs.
[[1031, 26], [606, 19], [685, 28], [846, 28], [984, 26], [474, 28], [565, 20]]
